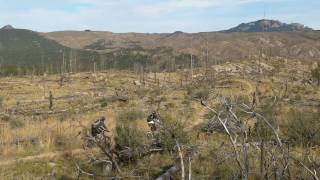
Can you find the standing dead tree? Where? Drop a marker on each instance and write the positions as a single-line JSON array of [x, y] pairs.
[[50, 100], [236, 130], [275, 157], [179, 164], [279, 153], [104, 144]]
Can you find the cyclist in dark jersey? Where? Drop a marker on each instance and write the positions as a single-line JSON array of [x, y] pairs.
[[152, 119], [99, 127]]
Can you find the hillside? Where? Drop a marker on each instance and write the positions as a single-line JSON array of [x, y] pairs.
[[28, 52], [24, 51], [297, 45]]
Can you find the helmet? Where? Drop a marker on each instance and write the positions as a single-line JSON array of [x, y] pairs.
[[102, 118]]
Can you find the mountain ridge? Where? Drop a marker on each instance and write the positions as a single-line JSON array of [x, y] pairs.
[[8, 27], [266, 25], [304, 45], [20, 48]]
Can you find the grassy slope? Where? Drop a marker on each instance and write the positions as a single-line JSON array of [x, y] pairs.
[[27, 49], [59, 132]]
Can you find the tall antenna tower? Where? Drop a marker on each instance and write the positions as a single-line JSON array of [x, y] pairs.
[[264, 11]]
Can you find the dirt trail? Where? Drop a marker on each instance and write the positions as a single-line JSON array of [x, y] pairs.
[[200, 116], [52, 155], [49, 155], [248, 85], [251, 87]]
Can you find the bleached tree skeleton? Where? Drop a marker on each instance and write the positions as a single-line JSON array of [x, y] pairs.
[[280, 156]]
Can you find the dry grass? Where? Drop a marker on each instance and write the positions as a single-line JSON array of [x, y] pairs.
[[58, 132]]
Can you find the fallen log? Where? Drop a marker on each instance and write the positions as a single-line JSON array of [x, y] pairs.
[[20, 141], [128, 154], [38, 112], [307, 103], [227, 87], [176, 167], [122, 98]]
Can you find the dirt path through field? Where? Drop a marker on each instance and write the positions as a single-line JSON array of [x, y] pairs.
[[52, 155], [49, 155], [200, 118]]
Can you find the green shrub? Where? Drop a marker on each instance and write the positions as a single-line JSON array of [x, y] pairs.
[[156, 100], [225, 171], [261, 131], [130, 114], [127, 135], [198, 92], [170, 105], [103, 102], [155, 92], [304, 128], [141, 92], [1, 102], [16, 123], [298, 97], [60, 141], [5, 118], [172, 130], [316, 73]]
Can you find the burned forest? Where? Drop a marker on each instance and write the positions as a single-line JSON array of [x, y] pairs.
[[242, 103]]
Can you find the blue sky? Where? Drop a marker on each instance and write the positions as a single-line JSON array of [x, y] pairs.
[[152, 15]]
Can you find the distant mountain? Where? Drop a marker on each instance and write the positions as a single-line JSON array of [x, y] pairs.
[[176, 34], [24, 51], [7, 27], [266, 25], [302, 45]]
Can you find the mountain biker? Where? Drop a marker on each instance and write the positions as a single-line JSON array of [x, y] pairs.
[[152, 119], [99, 127]]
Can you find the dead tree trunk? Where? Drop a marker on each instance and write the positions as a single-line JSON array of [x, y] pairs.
[[50, 100], [181, 160], [262, 157], [176, 167]]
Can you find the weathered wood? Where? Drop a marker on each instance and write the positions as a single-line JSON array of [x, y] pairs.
[[38, 112], [176, 167], [19, 141], [310, 103]]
